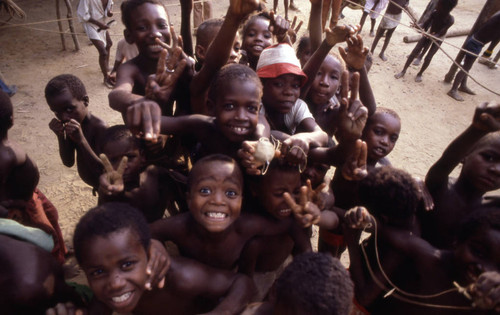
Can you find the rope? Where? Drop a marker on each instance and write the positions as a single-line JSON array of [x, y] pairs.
[[399, 290], [434, 40]]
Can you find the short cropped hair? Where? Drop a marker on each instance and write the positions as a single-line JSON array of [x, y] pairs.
[[391, 192], [304, 42], [480, 219], [65, 81], [208, 159], [204, 31], [230, 73], [488, 139], [316, 283], [262, 15], [106, 219], [117, 133], [382, 110], [128, 7], [6, 113]]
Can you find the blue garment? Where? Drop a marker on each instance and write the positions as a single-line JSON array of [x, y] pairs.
[[474, 46]]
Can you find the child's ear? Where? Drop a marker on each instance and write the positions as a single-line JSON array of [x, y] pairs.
[[85, 100], [200, 52], [128, 36]]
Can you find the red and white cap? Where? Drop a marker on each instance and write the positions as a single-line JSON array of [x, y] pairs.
[[279, 59]]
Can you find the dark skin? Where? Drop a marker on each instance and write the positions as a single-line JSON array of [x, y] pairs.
[[32, 281], [452, 201], [430, 270]]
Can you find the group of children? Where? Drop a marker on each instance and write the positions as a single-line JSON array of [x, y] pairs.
[[227, 163]]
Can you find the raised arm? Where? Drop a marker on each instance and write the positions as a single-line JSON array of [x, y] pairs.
[[486, 119]]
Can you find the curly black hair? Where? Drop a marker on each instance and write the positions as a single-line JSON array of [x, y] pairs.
[[315, 283], [230, 73], [65, 81], [129, 6], [107, 219], [201, 164]]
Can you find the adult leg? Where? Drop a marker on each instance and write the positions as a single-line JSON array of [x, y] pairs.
[[103, 57], [410, 58], [434, 48], [362, 21], [386, 43], [459, 79], [198, 14]]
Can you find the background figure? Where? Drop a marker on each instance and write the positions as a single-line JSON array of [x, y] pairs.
[[124, 52], [373, 8], [202, 10], [92, 15], [486, 57], [335, 5]]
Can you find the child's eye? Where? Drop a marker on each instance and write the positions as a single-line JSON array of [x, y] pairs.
[[163, 25], [252, 109], [128, 265], [96, 273], [231, 193], [296, 86], [205, 190], [250, 34], [228, 106], [394, 139], [378, 131], [267, 35], [334, 77], [278, 84], [489, 157], [69, 109], [141, 28]]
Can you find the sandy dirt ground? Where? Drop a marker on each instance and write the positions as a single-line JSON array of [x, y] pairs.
[[31, 55]]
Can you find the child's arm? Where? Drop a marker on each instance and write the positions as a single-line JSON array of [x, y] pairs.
[[218, 52], [333, 37], [187, 38], [74, 131], [486, 119], [66, 146], [355, 58], [315, 30]]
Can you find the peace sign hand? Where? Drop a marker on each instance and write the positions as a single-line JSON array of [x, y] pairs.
[[294, 30], [316, 195], [306, 212], [353, 114], [354, 167], [111, 181]]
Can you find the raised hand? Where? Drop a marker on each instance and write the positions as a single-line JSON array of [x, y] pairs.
[[294, 150], [57, 127], [354, 167], [255, 154], [74, 131], [294, 30], [485, 292], [242, 8], [316, 195], [111, 181], [355, 56], [487, 117], [279, 27], [339, 33], [158, 265], [352, 113], [358, 218], [306, 211]]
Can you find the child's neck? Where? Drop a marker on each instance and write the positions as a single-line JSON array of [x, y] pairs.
[[275, 118], [204, 234], [467, 191], [146, 64]]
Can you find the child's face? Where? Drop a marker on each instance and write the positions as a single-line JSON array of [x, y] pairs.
[[381, 135], [478, 254], [257, 37], [281, 93], [327, 81], [215, 197], [237, 109], [304, 55], [482, 167], [315, 172], [149, 22], [115, 267], [235, 55], [272, 187], [66, 107], [117, 149]]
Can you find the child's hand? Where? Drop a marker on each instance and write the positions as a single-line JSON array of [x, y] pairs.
[[57, 127], [111, 182], [316, 195], [487, 117], [295, 150], [339, 34], [74, 131], [158, 265], [358, 218], [247, 157], [424, 193], [305, 211], [155, 147], [354, 167], [161, 85], [143, 119], [67, 308], [294, 30], [279, 27], [242, 8], [355, 56], [485, 291], [352, 113]]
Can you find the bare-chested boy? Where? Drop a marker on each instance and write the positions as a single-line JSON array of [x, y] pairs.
[[77, 130]]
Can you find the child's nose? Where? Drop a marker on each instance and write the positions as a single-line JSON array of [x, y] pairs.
[[495, 168], [324, 81], [240, 114], [116, 281]]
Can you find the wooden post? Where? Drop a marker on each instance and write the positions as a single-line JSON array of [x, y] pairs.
[[59, 23], [70, 22], [489, 8]]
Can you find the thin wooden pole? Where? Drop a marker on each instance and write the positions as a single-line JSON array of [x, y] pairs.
[[70, 22], [59, 23]]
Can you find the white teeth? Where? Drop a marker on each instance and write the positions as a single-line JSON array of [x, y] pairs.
[[121, 298], [239, 129], [285, 211], [216, 215]]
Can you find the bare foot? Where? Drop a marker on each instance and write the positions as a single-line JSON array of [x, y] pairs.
[[383, 57], [108, 83], [399, 75], [372, 34], [293, 7], [416, 62], [418, 78], [455, 95], [466, 89]]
